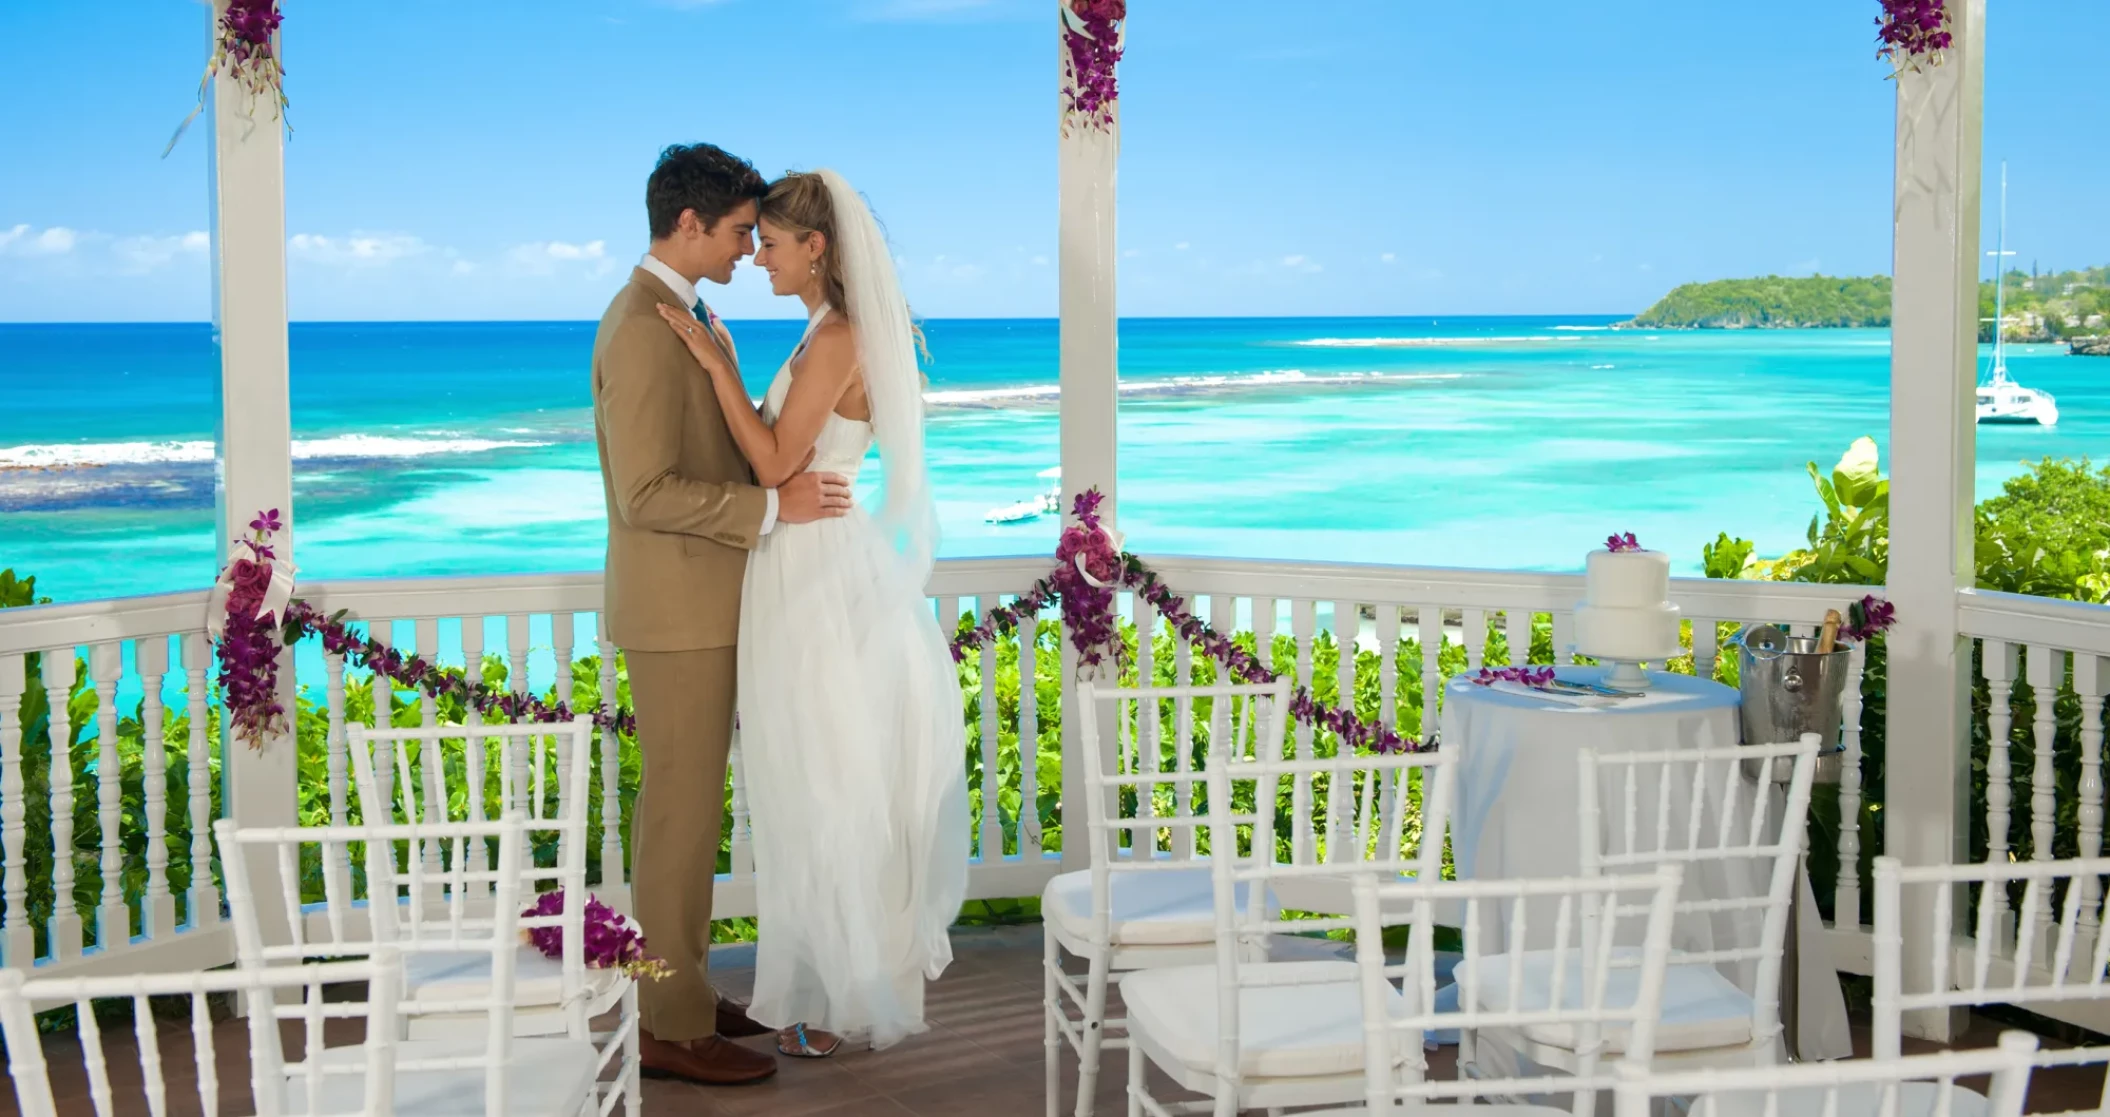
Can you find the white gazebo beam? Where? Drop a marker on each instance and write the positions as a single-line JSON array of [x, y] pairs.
[[1088, 365], [1933, 434], [255, 464]]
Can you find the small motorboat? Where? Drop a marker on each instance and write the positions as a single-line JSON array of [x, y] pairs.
[[1032, 509]]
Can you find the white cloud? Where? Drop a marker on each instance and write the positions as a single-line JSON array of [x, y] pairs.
[[361, 250], [1387, 258], [137, 255], [1180, 247], [546, 256], [21, 241], [1041, 261], [1301, 263]]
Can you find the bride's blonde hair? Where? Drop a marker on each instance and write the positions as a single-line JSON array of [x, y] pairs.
[[800, 203]]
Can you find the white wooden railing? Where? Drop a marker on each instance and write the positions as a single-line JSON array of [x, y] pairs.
[[2028, 648], [148, 651], [145, 661]]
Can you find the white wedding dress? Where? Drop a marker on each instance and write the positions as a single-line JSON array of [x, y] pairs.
[[853, 759]]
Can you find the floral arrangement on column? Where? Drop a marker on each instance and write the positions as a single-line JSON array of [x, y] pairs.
[[245, 47], [1091, 40], [248, 603], [1913, 34]]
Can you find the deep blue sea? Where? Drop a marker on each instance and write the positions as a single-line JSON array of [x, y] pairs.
[[466, 447]]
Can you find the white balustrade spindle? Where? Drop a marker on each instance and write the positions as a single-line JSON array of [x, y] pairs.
[[202, 902], [1029, 831], [61, 667], [18, 947], [992, 835], [113, 919], [614, 880], [1846, 896], [1998, 663], [2089, 677], [158, 906]]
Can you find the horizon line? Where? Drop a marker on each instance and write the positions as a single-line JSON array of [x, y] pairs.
[[1433, 318]]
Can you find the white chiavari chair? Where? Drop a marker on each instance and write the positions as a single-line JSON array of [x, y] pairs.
[[1610, 1010], [1734, 817], [451, 907], [2043, 946], [1247, 1031], [1918, 1086], [1147, 900], [466, 773], [305, 1087]]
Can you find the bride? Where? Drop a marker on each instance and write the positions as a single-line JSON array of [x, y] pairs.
[[852, 745]]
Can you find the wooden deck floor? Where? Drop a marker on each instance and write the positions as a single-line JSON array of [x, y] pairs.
[[982, 1057]]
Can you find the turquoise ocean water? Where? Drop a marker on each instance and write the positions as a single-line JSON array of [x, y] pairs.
[[464, 448]]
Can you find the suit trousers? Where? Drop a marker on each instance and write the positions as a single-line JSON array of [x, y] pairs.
[[684, 702]]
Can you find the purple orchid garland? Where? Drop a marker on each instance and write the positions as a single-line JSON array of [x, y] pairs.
[[304, 620], [1090, 571], [1529, 676], [1091, 39], [1913, 34], [1620, 544], [612, 942], [244, 48]]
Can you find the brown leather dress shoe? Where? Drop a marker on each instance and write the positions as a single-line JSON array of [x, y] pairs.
[[711, 1061], [733, 1020]]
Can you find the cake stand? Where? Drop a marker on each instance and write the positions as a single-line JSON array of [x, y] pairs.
[[1628, 674]]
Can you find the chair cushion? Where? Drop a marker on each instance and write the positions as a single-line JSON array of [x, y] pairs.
[[538, 979], [1701, 1008], [544, 1078], [1858, 1099], [1310, 1026], [1172, 907]]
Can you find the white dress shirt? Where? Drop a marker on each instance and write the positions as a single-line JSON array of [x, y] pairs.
[[686, 292]]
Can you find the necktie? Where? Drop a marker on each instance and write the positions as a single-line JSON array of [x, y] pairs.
[[702, 312]]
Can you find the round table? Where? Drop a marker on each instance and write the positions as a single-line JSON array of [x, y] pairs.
[[1516, 814]]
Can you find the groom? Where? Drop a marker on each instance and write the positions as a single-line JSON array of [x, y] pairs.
[[683, 511]]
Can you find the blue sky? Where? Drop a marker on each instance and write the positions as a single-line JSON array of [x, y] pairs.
[[486, 160]]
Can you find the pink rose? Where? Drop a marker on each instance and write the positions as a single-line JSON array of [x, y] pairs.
[[252, 576]]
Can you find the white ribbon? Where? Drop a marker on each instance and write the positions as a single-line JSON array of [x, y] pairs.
[[1112, 537]]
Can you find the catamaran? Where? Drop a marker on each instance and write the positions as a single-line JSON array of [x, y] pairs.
[[2003, 400]]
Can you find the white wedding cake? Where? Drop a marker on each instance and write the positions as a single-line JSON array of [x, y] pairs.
[[1628, 616]]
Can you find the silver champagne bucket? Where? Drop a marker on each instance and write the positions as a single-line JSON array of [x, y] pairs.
[[1789, 688]]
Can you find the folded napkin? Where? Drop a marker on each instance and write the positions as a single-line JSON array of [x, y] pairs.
[[1555, 694]]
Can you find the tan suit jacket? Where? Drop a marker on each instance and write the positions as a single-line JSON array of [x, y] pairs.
[[683, 508]]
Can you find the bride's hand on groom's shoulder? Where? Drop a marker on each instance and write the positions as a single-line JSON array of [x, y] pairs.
[[812, 496], [694, 335]]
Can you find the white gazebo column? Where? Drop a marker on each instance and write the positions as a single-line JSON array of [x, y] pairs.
[[1933, 370], [1085, 164], [247, 172]]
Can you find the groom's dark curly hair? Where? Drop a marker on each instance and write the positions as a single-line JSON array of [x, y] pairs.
[[702, 177]]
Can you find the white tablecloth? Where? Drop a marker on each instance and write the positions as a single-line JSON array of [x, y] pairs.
[[1516, 815]]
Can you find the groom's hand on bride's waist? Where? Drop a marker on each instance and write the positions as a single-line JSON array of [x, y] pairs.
[[813, 496]]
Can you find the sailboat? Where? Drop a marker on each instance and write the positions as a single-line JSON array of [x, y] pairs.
[[2002, 400]]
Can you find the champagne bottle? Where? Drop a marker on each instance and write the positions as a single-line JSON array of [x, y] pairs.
[[1829, 638]]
